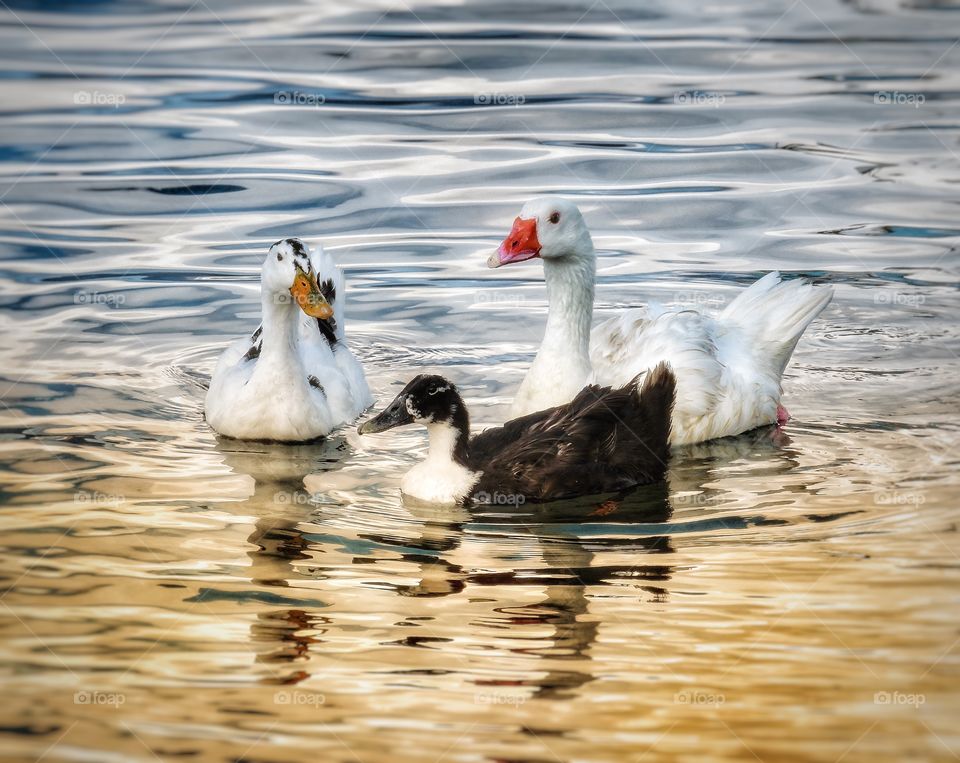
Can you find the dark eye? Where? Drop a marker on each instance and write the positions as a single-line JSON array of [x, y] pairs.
[[555, 218], [279, 257], [432, 389]]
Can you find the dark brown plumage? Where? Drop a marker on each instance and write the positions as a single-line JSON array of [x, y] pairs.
[[604, 440]]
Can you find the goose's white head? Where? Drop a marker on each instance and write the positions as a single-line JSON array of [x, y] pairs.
[[548, 227], [287, 273]]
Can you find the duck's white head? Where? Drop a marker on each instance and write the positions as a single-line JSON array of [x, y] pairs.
[[548, 227], [287, 273]]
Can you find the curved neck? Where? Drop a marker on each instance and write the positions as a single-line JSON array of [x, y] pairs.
[[570, 297], [450, 439], [280, 317]]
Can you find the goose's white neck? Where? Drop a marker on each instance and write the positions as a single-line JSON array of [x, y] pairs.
[[562, 365], [439, 478], [570, 298]]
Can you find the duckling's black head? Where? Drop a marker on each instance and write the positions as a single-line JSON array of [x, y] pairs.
[[427, 399]]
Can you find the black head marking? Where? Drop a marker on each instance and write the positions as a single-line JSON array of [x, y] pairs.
[[299, 253], [296, 248], [433, 399]]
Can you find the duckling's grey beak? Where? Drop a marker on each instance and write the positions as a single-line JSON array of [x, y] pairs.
[[394, 415]]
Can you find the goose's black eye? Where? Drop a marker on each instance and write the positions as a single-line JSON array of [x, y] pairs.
[[279, 257], [555, 218], [432, 389]]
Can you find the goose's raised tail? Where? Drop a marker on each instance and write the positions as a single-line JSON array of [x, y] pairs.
[[774, 314]]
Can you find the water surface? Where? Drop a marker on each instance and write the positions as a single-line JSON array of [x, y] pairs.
[[789, 595]]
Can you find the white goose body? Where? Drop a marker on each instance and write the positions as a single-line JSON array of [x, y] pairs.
[[728, 367], [290, 381]]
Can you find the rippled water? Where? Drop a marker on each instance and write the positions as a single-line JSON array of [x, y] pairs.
[[787, 596]]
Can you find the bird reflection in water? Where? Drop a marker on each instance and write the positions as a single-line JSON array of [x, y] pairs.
[[456, 550], [281, 503]]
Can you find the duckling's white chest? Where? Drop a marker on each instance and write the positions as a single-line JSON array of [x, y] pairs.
[[439, 478]]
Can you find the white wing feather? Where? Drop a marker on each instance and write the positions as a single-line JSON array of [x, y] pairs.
[[728, 368]]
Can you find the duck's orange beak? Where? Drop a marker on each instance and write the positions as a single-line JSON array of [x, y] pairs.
[[522, 244], [308, 295]]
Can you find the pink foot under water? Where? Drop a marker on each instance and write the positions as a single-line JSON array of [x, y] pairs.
[[783, 415]]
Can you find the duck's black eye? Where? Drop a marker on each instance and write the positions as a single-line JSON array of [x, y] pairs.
[[555, 218], [279, 257]]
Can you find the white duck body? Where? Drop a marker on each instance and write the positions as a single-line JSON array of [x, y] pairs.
[[728, 368], [286, 382]]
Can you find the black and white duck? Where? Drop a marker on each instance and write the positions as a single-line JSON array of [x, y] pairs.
[[294, 379], [604, 440]]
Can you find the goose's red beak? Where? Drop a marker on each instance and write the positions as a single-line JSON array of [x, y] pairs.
[[522, 244]]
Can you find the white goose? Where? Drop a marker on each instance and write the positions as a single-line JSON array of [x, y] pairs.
[[294, 379], [728, 368]]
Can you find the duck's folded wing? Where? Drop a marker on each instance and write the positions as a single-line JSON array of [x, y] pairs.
[[601, 441], [492, 442]]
